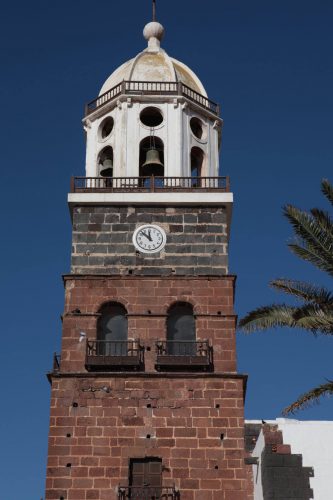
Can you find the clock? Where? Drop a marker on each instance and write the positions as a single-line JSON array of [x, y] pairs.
[[149, 238]]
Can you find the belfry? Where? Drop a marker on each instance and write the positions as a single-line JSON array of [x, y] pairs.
[[146, 399]]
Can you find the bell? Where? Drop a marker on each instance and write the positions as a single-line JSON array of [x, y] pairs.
[[152, 165], [107, 168]]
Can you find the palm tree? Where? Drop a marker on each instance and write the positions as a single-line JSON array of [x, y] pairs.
[[313, 243]]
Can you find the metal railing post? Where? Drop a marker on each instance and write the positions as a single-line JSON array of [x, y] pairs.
[[179, 88], [148, 183]]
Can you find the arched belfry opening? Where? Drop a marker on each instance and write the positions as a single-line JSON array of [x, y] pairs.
[[112, 330], [105, 162], [197, 160], [181, 331], [151, 158]]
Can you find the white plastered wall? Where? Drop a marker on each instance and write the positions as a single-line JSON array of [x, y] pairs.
[[208, 144], [174, 131], [256, 468], [314, 441]]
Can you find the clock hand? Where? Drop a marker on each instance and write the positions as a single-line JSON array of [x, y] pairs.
[[146, 235], [149, 236]]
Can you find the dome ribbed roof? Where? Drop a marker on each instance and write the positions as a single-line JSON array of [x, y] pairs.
[[154, 64]]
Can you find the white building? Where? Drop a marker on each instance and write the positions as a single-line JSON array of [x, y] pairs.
[[310, 443]]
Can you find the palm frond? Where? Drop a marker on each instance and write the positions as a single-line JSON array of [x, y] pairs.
[[312, 255], [315, 318], [314, 243], [324, 220], [312, 236], [311, 317], [303, 291], [268, 317], [309, 398], [327, 190]]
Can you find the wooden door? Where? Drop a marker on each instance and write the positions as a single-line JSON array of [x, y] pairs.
[[146, 478]]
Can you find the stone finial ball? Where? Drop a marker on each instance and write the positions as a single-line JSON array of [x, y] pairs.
[[153, 30]]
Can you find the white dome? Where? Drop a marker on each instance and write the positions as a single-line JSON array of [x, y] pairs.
[[154, 65]]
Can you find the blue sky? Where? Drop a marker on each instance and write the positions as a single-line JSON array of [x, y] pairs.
[[270, 66]]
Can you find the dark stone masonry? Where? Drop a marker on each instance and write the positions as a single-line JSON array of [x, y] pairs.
[[196, 241]]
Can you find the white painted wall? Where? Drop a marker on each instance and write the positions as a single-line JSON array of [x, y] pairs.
[[256, 468], [314, 441], [175, 132]]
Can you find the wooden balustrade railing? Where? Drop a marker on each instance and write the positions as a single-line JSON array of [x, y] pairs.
[[152, 88]]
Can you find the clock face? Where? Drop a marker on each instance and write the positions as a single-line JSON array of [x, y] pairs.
[[149, 238]]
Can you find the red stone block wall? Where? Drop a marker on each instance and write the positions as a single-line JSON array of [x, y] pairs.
[[194, 420], [147, 301], [249, 480], [195, 424]]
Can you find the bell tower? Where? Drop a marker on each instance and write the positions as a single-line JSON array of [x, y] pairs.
[[146, 399]]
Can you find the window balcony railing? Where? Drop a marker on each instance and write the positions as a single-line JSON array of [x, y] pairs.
[[56, 362], [152, 88], [55, 367], [149, 184], [172, 355], [105, 355], [148, 493]]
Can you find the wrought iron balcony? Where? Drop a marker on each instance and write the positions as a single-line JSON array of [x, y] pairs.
[[105, 355], [173, 355], [155, 89], [56, 362], [55, 367], [147, 493], [149, 184]]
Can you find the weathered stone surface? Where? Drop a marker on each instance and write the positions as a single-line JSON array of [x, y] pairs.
[[107, 429], [99, 421], [196, 241]]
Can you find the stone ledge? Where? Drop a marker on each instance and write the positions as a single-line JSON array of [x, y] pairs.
[[182, 375], [210, 277]]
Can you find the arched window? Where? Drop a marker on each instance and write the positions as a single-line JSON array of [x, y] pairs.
[[181, 335], [151, 159], [105, 162], [112, 330], [197, 158]]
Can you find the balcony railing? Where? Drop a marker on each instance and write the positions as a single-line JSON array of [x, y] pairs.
[[56, 362], [152, 88], [147, 493], [149, 184], [108, 355], [187, 355]]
